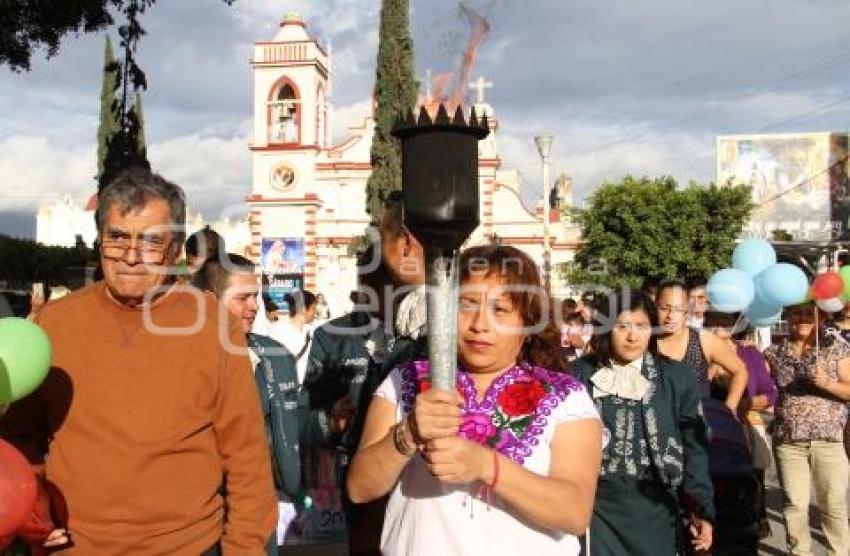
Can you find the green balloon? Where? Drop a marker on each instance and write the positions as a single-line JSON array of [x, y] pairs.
[[844, 272], [24, 358]]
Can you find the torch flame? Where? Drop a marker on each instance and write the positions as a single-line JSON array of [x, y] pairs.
[[438, 90]]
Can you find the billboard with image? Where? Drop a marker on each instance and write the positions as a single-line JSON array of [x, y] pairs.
[[799, 182], [282, 264]]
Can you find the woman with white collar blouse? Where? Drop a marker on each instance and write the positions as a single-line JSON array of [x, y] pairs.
[[655, 464]]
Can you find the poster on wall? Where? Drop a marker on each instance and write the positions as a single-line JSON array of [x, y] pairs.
[[282, 263]]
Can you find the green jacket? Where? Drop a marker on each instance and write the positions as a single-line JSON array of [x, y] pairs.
[[673, 416], [349, 355], [286, 412]]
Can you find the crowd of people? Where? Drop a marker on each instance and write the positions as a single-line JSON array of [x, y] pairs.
[[193, 414]]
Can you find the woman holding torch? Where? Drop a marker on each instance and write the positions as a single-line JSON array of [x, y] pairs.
[[508, 463]]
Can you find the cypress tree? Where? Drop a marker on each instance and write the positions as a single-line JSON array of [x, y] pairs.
[[395, 92], [123, 147], [109, 123], [141, 146]]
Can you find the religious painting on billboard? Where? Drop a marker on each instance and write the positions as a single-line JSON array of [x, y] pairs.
[[282, 263], [796, 181]]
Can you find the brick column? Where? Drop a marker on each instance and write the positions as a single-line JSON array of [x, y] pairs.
[[487, 189], [310, 248], [255, 225]]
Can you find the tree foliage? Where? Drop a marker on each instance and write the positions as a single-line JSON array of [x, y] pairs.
[[109, 121], [141, 143], [649, 228], [123, 147], [395, 92], [28, 25], [26, 261]]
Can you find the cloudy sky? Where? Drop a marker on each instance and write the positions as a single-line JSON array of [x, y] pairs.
[[638, 87]]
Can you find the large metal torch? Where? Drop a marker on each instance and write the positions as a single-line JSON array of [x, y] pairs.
[[439, 169]]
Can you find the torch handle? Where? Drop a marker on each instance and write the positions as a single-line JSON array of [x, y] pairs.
[[442, 320]]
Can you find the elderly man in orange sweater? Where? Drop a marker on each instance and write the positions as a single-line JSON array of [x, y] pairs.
[[149, 421]]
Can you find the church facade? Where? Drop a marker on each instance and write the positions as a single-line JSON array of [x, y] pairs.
[[307, 200]]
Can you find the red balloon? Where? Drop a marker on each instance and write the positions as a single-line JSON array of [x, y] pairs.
[[827, 285], [17, 489]]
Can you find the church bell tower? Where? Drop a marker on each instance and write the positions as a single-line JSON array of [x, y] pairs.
[[291, 129]]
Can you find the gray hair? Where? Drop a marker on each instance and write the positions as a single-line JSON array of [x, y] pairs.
[[134, 188]]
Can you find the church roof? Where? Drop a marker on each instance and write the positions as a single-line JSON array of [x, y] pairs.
[[292, 29]]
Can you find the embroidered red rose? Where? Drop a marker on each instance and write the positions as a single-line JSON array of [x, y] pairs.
[[521, 397]]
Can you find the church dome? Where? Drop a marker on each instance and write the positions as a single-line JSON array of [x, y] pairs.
[[292, 29]]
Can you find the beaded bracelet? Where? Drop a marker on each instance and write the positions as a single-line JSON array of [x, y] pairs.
[[400, 442]]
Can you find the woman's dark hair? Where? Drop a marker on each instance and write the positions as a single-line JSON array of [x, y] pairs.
[[609, 310], [737, 325], [649, 286], [568, 308], [299, 301], [517, 270]]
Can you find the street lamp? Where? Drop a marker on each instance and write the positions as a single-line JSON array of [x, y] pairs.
[[544, 147]]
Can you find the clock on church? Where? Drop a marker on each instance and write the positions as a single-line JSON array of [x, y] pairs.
[[282, 177]]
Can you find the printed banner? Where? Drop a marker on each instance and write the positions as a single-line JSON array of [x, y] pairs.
[[799, 181], [282, 263]]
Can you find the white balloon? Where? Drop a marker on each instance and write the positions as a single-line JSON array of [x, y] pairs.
[[831, 305]]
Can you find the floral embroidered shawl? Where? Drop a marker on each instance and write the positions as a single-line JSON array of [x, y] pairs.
[[515, 408]]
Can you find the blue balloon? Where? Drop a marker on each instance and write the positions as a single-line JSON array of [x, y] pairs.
[[730, 290], [782, 284], [753, 255], [762, 313]]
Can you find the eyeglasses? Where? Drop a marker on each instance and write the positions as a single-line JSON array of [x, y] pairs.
[[672, 309], [151, 249]]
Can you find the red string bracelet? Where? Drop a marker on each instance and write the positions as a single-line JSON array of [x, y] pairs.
[[485, 491]]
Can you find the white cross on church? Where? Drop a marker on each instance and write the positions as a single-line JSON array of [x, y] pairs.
[[479, 87]]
